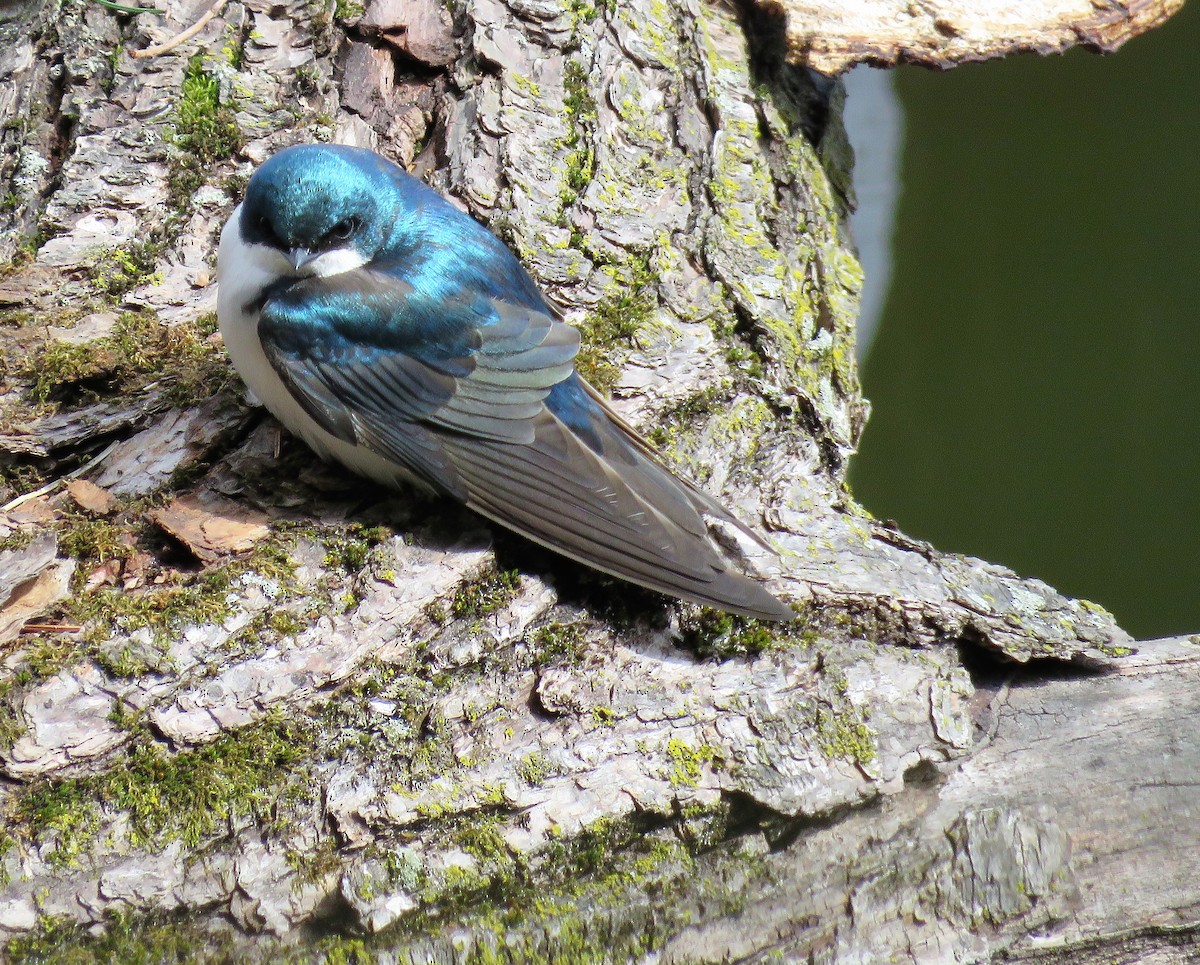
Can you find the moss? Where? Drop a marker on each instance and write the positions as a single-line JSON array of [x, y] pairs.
[[184, 797], [711, 633], [94, 540], [507, 903], [351, 549], [347, 10], [412, 737], [687, 762], [120, 270], [317, 865], [124, 940], [181, 601], [159, 939], [534, 769], [486, 593], [19, 478], [617, 319], [18, 539], [126, 662], [44, 655], [10, 723], [580, 108], [673, 422], [139, 350], [597, 896], [206, 132], [555, 642], [843, 733]]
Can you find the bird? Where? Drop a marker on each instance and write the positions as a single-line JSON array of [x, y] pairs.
[[395, 334]]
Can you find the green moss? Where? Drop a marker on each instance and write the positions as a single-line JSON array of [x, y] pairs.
[[120, 270], [18, 539], [10, 724], [19, 478], [44, 655], [580, 108], [350, 549], [124, 940], [181, 601], [507, 903], [555, 642], [617, 319], [160, 939], [126, 662], [687, 762], [672, 423], [486, 593], [139, 350], [185, 797], [534, 769], [206, 133], [711, 633], [346, 10], [94, 540], [598, 896], [843, 733]]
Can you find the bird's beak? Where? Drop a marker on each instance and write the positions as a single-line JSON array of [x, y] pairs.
[[299, 257]]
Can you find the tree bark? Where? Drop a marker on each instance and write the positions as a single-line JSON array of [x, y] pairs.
[[301, 717]]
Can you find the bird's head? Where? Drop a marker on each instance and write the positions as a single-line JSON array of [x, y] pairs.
[[323, 209]]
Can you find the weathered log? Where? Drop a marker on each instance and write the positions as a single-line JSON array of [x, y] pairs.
[[392, 723]]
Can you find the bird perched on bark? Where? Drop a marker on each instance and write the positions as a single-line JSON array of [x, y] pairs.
[[396, 335]]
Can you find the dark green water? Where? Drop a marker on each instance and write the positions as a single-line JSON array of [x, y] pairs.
[[1036, 375]]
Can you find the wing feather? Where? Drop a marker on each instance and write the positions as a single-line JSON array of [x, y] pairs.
[[491, 412]]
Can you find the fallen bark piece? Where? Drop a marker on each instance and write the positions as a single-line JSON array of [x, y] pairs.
[[211, 527], [32, 580], [89, 496], [146, 461], [832, 38], [76, 427]]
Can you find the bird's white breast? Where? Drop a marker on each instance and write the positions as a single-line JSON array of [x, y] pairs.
[[243, 271]]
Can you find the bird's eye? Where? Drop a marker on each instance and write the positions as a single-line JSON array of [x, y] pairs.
[[342, 230], [266, 229]]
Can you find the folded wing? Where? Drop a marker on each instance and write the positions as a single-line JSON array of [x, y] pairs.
[[479, 398]]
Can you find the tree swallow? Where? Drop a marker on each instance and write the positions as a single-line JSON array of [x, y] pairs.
[[396, 335]]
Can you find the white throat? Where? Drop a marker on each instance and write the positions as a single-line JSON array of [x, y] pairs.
[[243, 272]]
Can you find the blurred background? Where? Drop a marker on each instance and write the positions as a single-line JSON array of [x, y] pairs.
[[1031, 345]]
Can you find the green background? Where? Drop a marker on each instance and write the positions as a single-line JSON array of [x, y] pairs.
[[1035, 380]]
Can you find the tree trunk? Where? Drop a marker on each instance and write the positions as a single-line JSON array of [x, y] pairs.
[[305, 717]]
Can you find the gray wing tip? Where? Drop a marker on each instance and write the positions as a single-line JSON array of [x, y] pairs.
[[745, 597]]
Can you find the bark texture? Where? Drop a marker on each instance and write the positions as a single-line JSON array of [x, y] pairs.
[[944, 33], [270, 710]]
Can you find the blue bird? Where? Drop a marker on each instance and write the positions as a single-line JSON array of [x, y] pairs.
[[396, 335]]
